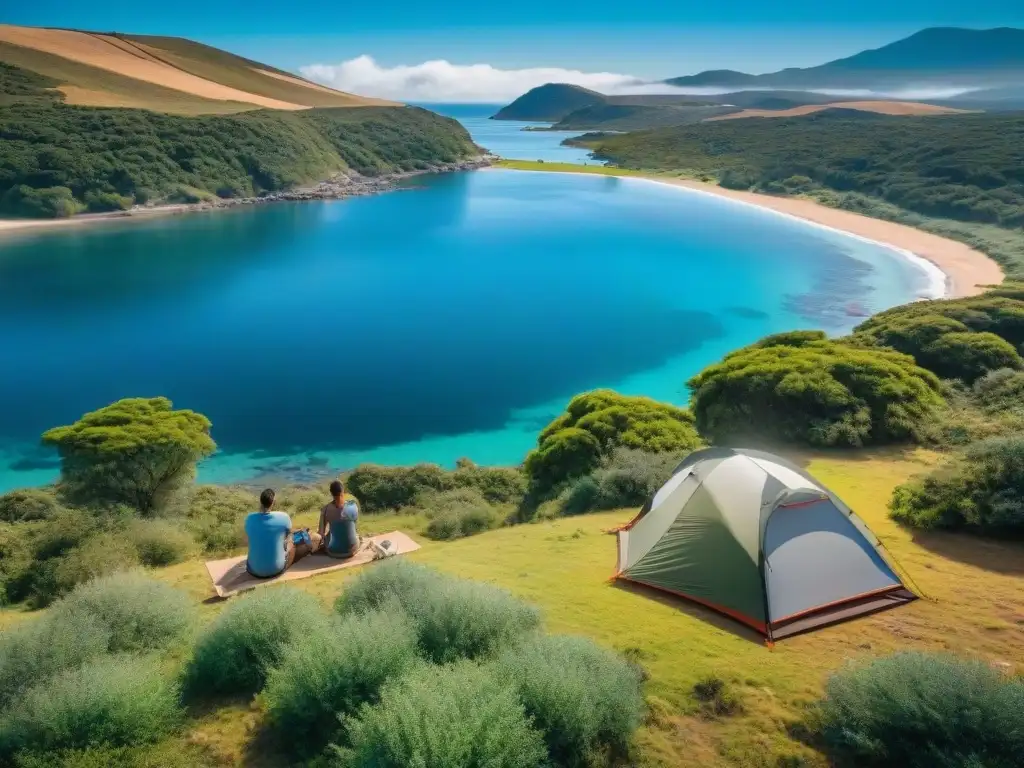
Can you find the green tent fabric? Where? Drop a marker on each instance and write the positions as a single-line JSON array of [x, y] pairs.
[[756, 538]]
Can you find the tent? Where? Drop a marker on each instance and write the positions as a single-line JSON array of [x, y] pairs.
[[756, 538]]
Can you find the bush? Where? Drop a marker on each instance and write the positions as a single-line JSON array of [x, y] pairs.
[[28, 504], [137, 451], [216, 517], [448, 717], [817, 392], [168, 754], [595, 424], [41, 203], [585, 699], [99, 202], [457, 513], [138, 612], [998, 311], [248, 638], [968, 356], [981, 489], [627, 478], [100, 555], [332, 671], [380, 488], [454, 618], [116, 700], [1001, 390], [923, 711], [160, 542], [39, 648]]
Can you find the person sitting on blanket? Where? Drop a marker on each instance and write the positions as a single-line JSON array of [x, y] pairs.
[[340, 516], [273, 546]]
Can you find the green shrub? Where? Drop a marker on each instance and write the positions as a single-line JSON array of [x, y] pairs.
[[448, 717], [137, 451], [41, 203], [216, 517], [454, 618], [99, 202], [28, 504], [161, 542], [39, 648], [379, 488], [585, 699], [595, 424], [384, 583], [170, 753], [332, 671], [100, 555], [968, 419], [999, 311], [248, 638], [116, 700], [139, 613], [967, 356], [457, 513], [981, 489], [629, 477], [583, 495], [819, 392], [923, 711], [1001, 390]]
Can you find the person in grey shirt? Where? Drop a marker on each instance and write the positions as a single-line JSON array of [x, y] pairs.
[[338, 523]]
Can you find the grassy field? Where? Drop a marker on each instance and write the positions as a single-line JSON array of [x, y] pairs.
[[974, 605], [95, 87]]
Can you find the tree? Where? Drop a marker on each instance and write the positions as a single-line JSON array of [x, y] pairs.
[[594, 424], [807, 389], [137, 451]]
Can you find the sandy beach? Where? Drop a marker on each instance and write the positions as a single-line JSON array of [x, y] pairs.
[[967, 270]]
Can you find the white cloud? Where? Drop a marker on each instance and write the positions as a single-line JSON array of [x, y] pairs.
[[442, 81]]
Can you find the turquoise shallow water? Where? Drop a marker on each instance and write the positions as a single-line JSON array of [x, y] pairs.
[[454, 318]]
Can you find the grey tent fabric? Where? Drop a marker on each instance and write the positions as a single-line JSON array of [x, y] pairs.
[[754, 537]]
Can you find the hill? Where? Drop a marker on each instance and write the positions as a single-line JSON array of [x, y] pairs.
[[892, 108], [610, 116], [57, 160], [979, 58], [164, 74], [549, 103], [961, 169]]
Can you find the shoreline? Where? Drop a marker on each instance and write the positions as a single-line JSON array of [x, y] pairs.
[[964, 271], [338, 187]]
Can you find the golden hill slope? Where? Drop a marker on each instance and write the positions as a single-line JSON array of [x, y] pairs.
[[166, 74], [880, 107]]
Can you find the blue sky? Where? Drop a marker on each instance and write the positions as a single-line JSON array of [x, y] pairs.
[[645, 38]]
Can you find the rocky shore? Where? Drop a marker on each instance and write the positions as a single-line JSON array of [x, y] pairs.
[[343, 185]]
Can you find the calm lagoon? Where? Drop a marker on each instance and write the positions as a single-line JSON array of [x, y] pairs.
[[454, 318]]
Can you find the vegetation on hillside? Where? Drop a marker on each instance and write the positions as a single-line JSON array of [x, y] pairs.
[[549, 103], [803, 388], [58, 160], [595, 424], [979, 489], [635, 117], [963, 170]]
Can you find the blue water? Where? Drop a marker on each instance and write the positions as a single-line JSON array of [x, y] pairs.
[[455, 318]]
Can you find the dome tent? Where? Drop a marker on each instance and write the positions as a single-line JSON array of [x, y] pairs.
[[756, 538]]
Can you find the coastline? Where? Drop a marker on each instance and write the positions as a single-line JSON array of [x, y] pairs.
[[339, 187], [965, 271]]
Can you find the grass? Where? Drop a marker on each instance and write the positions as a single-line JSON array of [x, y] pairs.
[[95, 87], [975, 606]]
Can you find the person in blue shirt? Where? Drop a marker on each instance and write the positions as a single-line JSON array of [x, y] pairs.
[[272, 543], [338, 524]]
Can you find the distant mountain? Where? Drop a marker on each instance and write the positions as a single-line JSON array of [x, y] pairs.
[[635, 117], [549, 103], [940, 56]]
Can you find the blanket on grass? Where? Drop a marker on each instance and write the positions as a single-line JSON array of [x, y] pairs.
[[229, 575]]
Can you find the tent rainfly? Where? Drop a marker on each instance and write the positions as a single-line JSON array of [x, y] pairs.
[[754, 537]]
